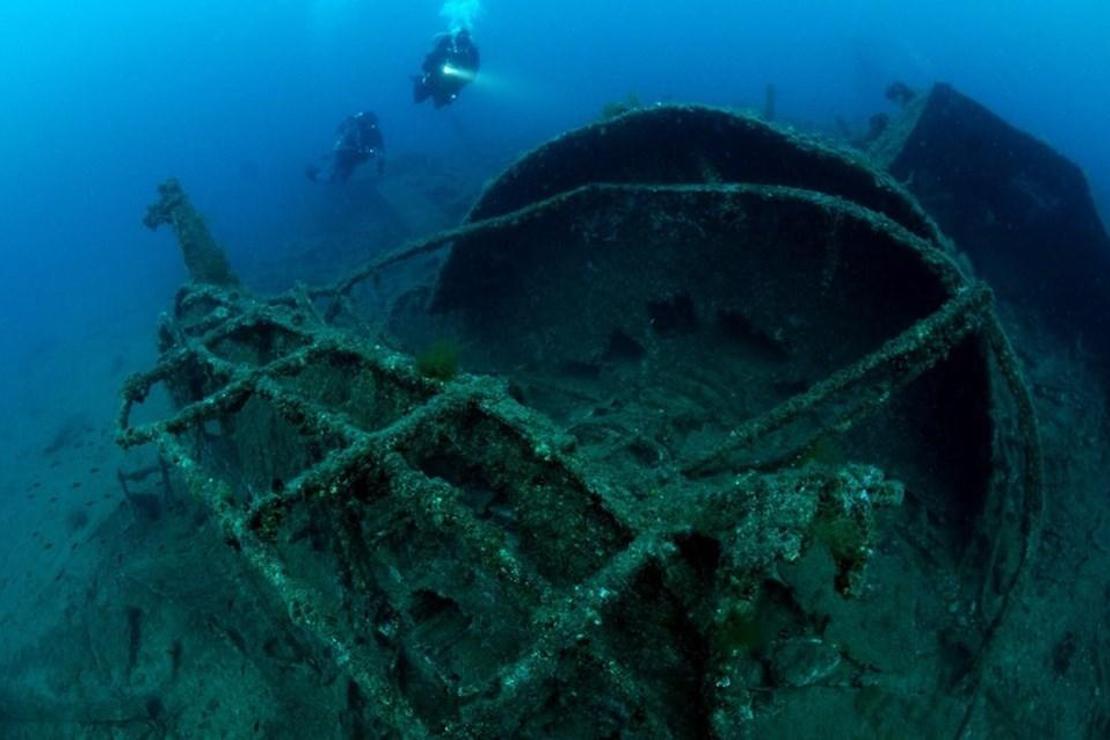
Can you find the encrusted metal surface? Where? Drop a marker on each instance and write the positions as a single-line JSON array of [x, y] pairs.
[[469, 566]]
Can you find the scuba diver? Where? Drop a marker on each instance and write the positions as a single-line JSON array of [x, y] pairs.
[[900, 94], [358, 140], [447, 69]]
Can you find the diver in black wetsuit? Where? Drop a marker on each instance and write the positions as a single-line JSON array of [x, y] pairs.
[[357, 140], [900, 94], [447, 69]]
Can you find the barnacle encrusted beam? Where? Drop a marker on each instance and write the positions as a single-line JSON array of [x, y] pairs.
[[205, 259]]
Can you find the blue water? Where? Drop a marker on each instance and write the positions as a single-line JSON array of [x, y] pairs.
[[103, 99]]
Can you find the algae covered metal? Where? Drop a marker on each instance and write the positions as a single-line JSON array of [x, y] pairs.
[[698, 348]]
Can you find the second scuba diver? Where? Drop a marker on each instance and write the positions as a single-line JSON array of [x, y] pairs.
[[358, 140]]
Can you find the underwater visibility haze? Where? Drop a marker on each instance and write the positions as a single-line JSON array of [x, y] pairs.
[[554, 369]]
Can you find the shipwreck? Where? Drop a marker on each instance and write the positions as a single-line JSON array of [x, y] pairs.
[[711, 376]]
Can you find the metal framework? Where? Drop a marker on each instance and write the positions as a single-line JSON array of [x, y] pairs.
[[458, 559]]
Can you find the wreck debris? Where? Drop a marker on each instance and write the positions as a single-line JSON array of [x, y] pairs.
[[695, 144], [416, 470], [146, 504], [476, 570], [205, 260], [1022, 212]]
